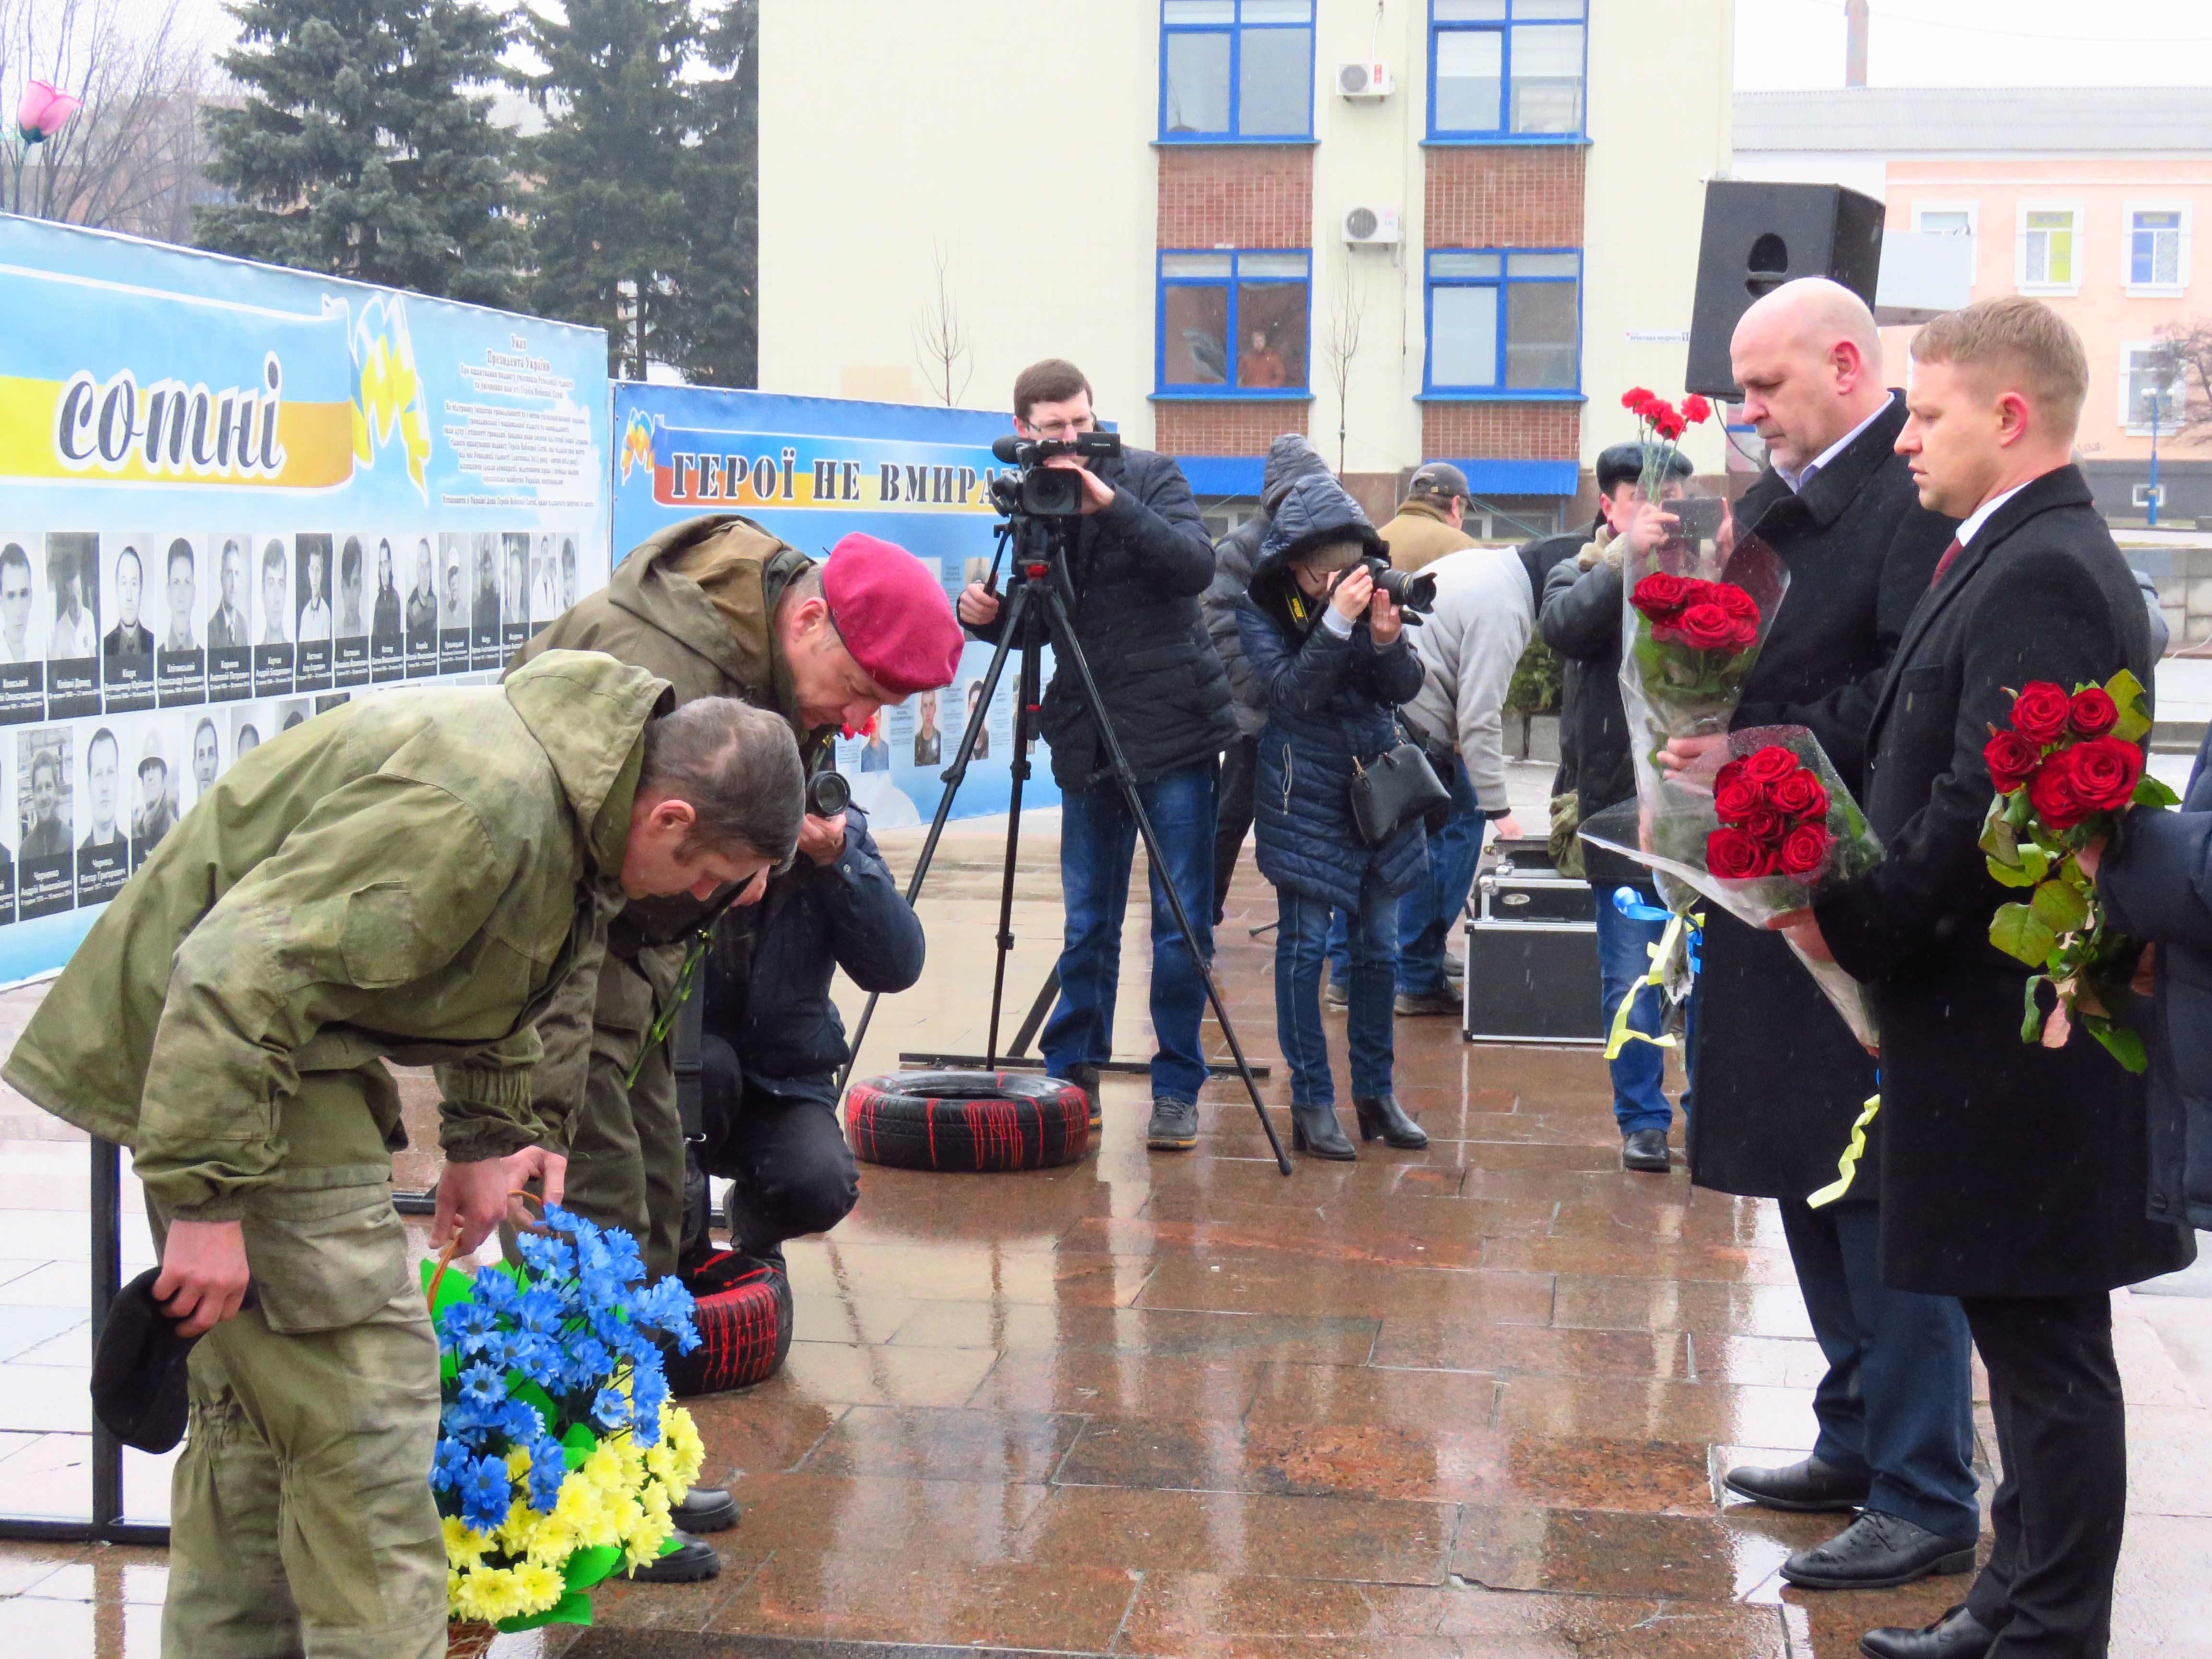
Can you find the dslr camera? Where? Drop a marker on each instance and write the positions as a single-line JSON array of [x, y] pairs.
[[1038, 491], [828, 794], [1411, 591]]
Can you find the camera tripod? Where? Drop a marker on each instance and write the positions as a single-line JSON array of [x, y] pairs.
[[1035, 598]]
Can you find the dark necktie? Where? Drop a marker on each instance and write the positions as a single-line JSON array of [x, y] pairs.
[[1944, 564]]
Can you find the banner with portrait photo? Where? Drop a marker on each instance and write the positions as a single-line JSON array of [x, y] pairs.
[[811, 469], [228, 497]]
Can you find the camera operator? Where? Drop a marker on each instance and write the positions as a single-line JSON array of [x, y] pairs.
[[774, 1043], [1139, 562]]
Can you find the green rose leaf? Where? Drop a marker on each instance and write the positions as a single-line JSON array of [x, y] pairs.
[[2016, 931], [2011, 876], [2123, 1044], [2127, 691], [2031, 1024], [1999, 840], [2059, 906], [2149, 792]]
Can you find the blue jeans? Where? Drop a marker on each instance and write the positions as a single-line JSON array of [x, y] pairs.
[[1301, 943], [1639, 1099], [1098, 840], [1428, 910]]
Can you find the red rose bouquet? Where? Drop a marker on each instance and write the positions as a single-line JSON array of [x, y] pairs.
[[2065, 770], [1760, 836], [1696, 612]]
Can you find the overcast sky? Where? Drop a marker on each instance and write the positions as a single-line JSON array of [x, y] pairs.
[[1978, 43]]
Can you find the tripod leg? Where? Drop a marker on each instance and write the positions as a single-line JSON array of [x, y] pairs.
[[1025, 700], [954, 775], [1048, 994], [1063, 640]]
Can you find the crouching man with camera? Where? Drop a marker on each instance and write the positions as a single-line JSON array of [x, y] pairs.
[[1139, 560]]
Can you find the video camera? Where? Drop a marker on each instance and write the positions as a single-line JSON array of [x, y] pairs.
[[1038, 491]]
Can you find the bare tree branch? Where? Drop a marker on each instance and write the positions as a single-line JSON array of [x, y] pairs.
[[1340, 345], [130, 159], [941, 343], [2184, 352]]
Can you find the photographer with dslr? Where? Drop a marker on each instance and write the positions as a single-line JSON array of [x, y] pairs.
[[1325, 637], [1139, 560]]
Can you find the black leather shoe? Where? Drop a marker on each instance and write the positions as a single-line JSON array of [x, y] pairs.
[[704, 1510], [1441, 1000], [1085, 1078], [1801, 1488], [692, 1561], [1646, 1150], [1957, 1635], [1878, 1551], [1382, 1118], [1315, 1130], [1174, 1128]]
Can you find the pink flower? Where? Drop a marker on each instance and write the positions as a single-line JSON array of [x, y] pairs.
[[43, 111]]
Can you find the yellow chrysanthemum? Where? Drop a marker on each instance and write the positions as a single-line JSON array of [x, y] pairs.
[[536, 1586], [464, 1544]]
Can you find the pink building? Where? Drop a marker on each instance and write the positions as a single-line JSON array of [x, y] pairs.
[[2085, 197]]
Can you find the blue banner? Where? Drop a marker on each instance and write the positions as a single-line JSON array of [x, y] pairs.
[[231, 496], [810, 470]]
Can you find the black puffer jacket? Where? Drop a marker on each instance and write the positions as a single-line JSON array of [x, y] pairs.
[[1137, 571], [1328, 699], [1289, 457], [1581, 620]]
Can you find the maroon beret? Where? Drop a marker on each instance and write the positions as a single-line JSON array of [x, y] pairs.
[[892, 613]]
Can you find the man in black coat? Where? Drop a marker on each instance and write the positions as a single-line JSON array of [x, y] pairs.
[[1141, 559], [1289, 458], [2014, 1175], [1780, 1080]]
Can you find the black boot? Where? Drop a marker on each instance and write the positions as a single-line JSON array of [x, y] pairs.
[[1085, 1078], [691, 1562], [705, 1510], [1315, 1130], [1382, 1118]]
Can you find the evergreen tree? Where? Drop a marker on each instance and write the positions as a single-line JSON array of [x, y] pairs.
[[361, 149], [610, 214], [722, 302]]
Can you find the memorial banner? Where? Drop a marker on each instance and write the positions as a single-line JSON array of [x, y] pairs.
[[810, 470], [231, 496]]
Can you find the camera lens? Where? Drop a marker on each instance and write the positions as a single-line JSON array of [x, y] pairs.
[[828, 794], [1414, 592]]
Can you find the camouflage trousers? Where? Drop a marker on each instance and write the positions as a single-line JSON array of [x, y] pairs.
[[626, 1144], [301, 1519]]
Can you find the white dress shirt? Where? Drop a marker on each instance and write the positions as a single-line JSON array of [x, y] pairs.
[[1798, 480]]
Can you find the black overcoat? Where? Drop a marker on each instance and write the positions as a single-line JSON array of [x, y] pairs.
[[1779, 1079], [2008, 1168]]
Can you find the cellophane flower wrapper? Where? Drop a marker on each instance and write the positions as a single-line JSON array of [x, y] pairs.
[[560, 1453], [1671, 830], [1670, 688]]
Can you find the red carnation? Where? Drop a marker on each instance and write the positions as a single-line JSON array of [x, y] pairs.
[[1738, 855], [2040, 711], [1637, 399], [1660, 596], [2052, 794], [1806, 849], [1736, 799], [1800, 795], [2093, 712], [2011, 759], [1696, 409], [1669, 424], [1707, 627], [2105, 772], [1770, 765]]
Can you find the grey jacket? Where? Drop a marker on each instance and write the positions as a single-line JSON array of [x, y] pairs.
[[1468, 646]]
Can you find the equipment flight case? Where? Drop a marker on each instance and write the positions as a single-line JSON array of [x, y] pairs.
[[1532, 954]]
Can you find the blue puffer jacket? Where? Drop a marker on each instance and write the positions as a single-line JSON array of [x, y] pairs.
[[1328, 699]]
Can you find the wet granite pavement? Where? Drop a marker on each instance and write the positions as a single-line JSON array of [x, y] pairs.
[[1472, 1401]]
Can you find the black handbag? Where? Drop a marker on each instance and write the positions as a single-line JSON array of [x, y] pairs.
[[1391, 790]]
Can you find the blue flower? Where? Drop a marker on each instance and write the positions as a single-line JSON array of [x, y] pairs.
[[538, 1360], [539, 1312], [494, 1292], [519, 1422], [611, 1409], [453, 1459], [648, 1392], [467, 1421], [483, 1385], [548, 1468], [465, 1324], [552, 1258], [485, 1493]]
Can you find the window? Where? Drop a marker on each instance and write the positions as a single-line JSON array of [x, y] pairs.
[[2150, 388], [1235, 69], [1505, 69], [2157, 254], [1504, 322], [1234, 325], [2049, 256], [1945, 219]]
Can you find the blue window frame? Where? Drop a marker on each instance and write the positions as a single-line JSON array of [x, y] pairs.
[[1234, 325], [1236, 70], [2155, 247], [1504, 322], [1506, 69]]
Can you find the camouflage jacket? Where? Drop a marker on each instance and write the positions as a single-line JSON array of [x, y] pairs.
[[410, 877]]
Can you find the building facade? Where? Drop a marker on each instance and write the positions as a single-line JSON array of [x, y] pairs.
[[1411, 230], [2085, 197]]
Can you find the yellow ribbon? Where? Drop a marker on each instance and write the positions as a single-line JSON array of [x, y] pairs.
[[1848, 1165], [1621, 1034]]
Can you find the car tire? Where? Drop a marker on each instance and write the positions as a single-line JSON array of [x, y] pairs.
[[745, 1327], [967, 1121]]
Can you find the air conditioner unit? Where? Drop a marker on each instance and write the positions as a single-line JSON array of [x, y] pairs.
[[1376, 226], [1363, 79]]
